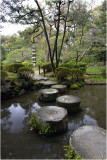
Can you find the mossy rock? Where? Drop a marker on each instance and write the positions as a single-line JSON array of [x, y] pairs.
[[50, 120], [69, 102], [48, 95], [60, 88]]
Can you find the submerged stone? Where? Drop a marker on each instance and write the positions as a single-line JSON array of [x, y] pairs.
[[51, 119], [89, 142], [48, 95], [71, 103], [60, 88]]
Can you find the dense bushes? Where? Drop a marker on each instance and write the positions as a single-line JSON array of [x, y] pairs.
[[13, 67], [72, 64], [63, 73], [47, 66], [4, 76], [25, 72]]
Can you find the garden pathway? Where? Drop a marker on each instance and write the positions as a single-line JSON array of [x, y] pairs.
[[38, 77]]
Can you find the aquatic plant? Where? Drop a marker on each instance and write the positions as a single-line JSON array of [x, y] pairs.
[[70, 153]]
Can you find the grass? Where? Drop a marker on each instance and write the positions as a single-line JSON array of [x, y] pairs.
[[94, 69], [98, 78]]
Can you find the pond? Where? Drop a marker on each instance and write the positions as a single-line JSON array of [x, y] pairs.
[[18, 141]]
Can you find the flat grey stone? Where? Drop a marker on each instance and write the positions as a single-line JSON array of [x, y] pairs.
[[48, 95], [60, 88], [71, 103], [53, 116], [47, 83], [89, 142]]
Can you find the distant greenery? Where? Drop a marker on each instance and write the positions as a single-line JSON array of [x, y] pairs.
[[94, 69]]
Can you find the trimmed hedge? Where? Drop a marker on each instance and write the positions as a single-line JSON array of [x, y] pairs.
[[47, 66], [13, 67], [72, 64], [4, 76], [25, 72], [63, 73]]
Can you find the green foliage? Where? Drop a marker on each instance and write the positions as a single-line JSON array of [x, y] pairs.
[[72, 64], [104, 72], [94, 69], [4, 76], [62, 73], [74, 86], [47, 66], [21, 92], [25, 72], [39, 63], [70, 153], [13, 67], [43, 128]]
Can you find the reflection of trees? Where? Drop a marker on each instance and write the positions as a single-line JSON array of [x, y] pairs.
[[5, 113]]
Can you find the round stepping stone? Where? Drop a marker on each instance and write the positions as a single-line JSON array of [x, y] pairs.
[[89, 142], [71, 103], [48, 95], [60, 88], [47, 83], [51, 119]]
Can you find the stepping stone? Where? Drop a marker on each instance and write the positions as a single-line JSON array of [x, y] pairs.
[[51, 119], [47, 83], [60, 88], [89, 142], [71, 103], [48, 95]]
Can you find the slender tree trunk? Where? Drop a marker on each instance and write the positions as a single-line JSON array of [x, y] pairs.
[[50, 28], [63, 35], [46, 35], [57, 34]]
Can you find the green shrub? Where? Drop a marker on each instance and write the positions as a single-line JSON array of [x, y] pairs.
[[25, 72], [13, 67], [62, 73], [43, 128], [47, 66], [74, 86], [39, 63], [4, 76], [72, 64], [27, 64], [70, 153], [75, 74], [21, 92]]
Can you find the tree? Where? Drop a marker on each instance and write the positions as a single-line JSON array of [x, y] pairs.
[[37, 17]]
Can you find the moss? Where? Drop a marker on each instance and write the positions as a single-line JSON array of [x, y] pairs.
[[21, 92], [74, 86], [70, 153], [43, 128]]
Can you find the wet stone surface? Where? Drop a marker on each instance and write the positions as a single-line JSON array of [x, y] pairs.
[[54, 117], [48, 95], [60, 88], [71, 103], [89, 142]]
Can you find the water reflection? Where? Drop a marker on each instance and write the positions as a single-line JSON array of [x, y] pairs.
[[22, 143], [14, 120]]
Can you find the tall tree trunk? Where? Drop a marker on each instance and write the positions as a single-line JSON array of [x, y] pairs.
[[50, 28], [46, 35]]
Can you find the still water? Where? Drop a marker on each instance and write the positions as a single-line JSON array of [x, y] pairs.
[[19, 142]]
